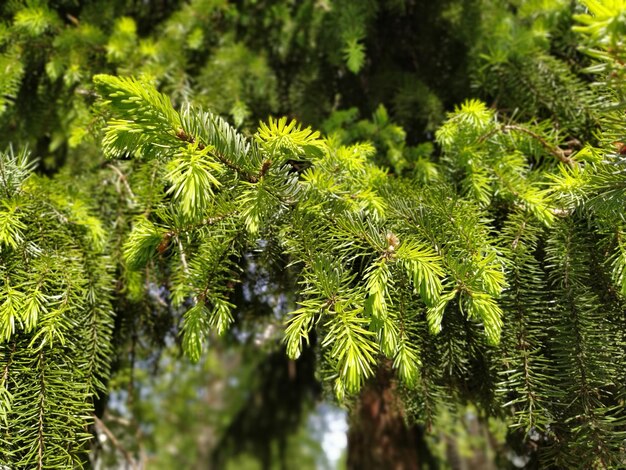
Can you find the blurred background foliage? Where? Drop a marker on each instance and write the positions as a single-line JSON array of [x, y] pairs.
[[386, 71]]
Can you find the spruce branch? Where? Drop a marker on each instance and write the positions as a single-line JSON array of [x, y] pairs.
[[128, 456], [124, 180], [187, 137], [191, 227], [559, 153]]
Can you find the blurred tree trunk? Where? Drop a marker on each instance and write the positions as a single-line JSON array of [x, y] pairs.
[[378, 437]]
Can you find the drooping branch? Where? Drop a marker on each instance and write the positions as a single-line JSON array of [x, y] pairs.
[[124, 181], [116, 443]]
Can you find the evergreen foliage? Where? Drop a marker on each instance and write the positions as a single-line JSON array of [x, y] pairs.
[[485, 267], [56, 315]]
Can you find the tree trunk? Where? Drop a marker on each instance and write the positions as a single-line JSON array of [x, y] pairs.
[[378, 438]]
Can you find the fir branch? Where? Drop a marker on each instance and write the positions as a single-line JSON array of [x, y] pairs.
[[186, 137], [192, 227], [559, 153], [128, 456], [124, 180]]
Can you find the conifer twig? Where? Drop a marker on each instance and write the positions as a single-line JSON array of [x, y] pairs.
[[183, 257], [552, 149], [186, 137], [116, 443], [202, 223], [123, 179]]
